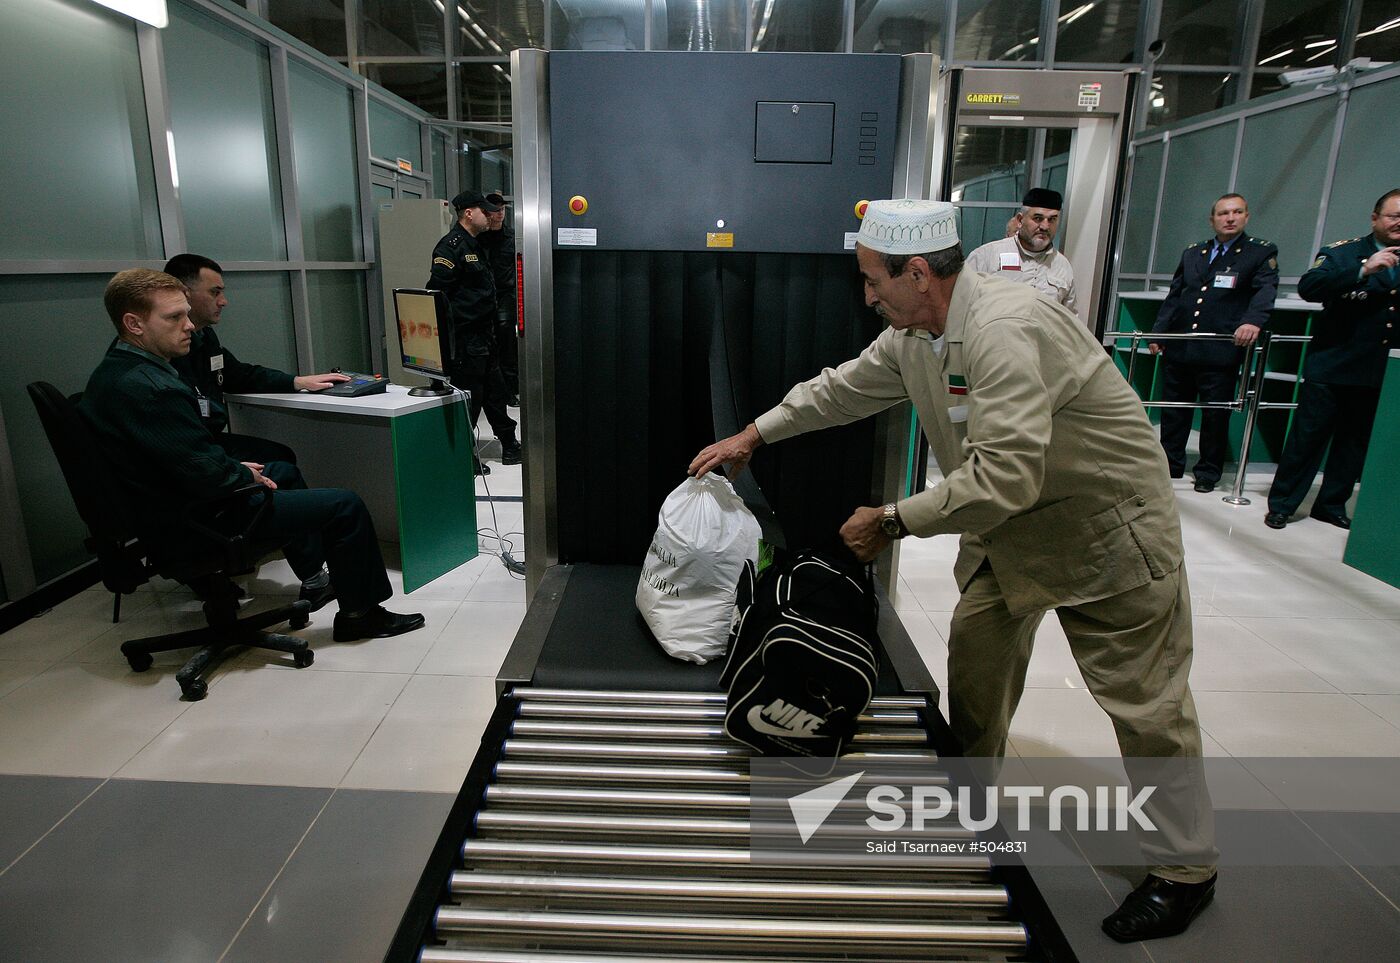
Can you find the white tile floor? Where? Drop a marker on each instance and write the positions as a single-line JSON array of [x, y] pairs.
[[1296, 654]]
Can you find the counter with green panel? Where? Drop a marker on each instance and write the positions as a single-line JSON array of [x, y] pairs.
[[1374, 543], [1137, 311]]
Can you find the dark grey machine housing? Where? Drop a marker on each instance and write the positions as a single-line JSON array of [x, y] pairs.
[[665, 145]]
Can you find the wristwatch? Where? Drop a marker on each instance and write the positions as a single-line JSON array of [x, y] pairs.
[[890, 523]]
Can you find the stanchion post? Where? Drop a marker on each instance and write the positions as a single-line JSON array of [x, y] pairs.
[[1260, 356]]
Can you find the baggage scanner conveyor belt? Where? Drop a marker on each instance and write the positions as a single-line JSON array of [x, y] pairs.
[[601, 825]]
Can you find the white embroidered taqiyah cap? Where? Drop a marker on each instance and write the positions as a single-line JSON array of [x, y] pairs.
[[909, 226]]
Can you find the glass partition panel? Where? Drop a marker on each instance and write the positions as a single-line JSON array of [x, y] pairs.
[[1283, 194], [440, 167], [393, 135], [1199, 31], [1299, 33], [1097, 32], [317, 23], [716, 25], [338, 319], [54, 329], [1142, 208], [802, 25], [997, 30], [76, 147], [485, 90], [1198, 171], [1366, 161], [400, 28], [225, 141], [899, 27], [1379, 34], [257, 324], [604, 25], [496, 27], [328, 187], [1176, 96], [423, 85]]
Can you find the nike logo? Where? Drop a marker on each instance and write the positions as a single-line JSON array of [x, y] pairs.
[[792, 722]]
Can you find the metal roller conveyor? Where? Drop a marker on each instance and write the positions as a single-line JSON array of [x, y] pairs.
[[738, 775], [487, 851], [887, 936], [673, 752], [540, 728], [491, 822], [970, 896], [534, 694], [634, 800], [452, 954], [681, 713]]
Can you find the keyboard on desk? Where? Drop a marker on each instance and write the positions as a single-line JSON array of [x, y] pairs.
[[358, 386]]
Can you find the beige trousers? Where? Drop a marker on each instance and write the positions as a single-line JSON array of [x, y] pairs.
[[1134, 652]]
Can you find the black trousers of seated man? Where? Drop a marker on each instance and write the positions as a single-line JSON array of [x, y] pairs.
[[1340, 414], [480, 374], [321, 526], [261, 451], [1189, 382]]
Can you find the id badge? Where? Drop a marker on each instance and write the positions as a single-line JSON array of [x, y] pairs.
[[204, 407], [216, 362], [1226, 280], [1011, 261]]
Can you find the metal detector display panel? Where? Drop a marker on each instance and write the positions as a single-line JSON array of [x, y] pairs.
[[664, 151]]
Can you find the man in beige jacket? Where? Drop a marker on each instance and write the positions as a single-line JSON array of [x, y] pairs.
[[1055, 480]]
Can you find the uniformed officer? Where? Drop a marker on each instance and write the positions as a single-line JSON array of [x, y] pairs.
[[1027, 253], [148, 424], [499, 242], [1357, 282], [462, 270], [210, 369], [1055, 480], [1223, 285]]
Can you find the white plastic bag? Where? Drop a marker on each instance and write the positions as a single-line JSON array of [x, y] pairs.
[[686, 592]]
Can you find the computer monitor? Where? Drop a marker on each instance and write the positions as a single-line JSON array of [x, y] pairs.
[[425, 337]]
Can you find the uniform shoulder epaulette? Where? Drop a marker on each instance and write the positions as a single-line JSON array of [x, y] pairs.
[[1260, 240], [1350, 240]]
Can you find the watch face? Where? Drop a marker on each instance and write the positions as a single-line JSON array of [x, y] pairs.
[[890, 527]]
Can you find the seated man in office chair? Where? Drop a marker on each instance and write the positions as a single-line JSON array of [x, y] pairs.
[[148, 424], [210, 369]]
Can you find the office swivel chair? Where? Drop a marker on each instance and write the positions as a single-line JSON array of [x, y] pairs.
[[205, 559]]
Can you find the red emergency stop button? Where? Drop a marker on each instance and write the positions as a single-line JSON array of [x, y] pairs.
[[578, 204], [860, 208]]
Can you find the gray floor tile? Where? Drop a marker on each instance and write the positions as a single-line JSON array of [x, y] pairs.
[[1366, 840], [343, 893], [32, 805], [151, 871]]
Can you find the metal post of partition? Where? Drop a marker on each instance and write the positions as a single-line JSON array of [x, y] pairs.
[[1260, 355]]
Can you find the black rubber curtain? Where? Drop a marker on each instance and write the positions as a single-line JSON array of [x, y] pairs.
[[657, 354]]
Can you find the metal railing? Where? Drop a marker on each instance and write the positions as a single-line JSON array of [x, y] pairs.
[[1248, 398]]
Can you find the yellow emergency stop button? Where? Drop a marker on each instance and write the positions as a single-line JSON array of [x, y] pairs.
[[860, 208], [578, 204]]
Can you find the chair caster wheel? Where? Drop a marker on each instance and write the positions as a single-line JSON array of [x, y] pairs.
[[196, 690], [298, 621], [139, 662], [303, 659]]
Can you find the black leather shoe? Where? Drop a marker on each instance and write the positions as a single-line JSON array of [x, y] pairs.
[[510, 455], [513, 401], [377, 623], [317, 597], [1276, 519], [1204, 486], [1341, 521], [482, 468], [1158, 908]]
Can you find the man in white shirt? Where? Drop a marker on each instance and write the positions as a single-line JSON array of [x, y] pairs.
[[1028, 255]]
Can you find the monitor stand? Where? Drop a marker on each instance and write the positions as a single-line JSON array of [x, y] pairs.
[[435, 388]]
